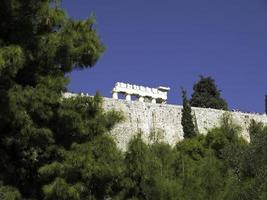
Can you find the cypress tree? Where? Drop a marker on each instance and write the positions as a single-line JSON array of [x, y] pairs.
[[187, 118]]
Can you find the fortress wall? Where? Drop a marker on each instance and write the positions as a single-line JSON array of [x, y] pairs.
[[164, 121]]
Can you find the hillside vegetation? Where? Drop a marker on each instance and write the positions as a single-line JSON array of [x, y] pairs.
[[54, 148]]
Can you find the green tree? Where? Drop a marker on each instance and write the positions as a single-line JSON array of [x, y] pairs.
[[228, 135], [9, 193], [137, 161], [39, 44], [90, 170], [211, 175], [247, 164], [254, 162], [149, 172], [188, 156], [162, 184], [187, 118], [206, 95]]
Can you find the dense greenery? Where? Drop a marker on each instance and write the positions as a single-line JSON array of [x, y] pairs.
[[39, 130], [187, 118], [57, 148], [206, 95], [219, 166]]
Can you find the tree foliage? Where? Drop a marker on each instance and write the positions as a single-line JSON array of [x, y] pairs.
[[57, 148], [39, 44], [9, 193], [187, 118], [87, 171], [218, 166], [206, 95]]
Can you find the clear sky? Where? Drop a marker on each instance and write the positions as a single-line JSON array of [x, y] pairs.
[[172, 42]]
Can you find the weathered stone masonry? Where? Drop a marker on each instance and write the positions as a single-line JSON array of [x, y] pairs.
[[156, 120], [166, 119]]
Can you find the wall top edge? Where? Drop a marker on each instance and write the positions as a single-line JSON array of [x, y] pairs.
[[70, 94]]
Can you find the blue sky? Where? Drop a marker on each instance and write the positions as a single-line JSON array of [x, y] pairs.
[[172, 42]]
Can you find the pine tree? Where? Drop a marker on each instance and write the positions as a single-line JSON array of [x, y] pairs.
[[187, 118], [39, 44], [137, 161], [206, 95]]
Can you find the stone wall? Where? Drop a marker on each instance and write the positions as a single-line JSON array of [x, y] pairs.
[[163, 121]]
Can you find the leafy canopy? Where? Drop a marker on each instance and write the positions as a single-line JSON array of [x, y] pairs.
[[56, 148], [39, 44], [206, 95]]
